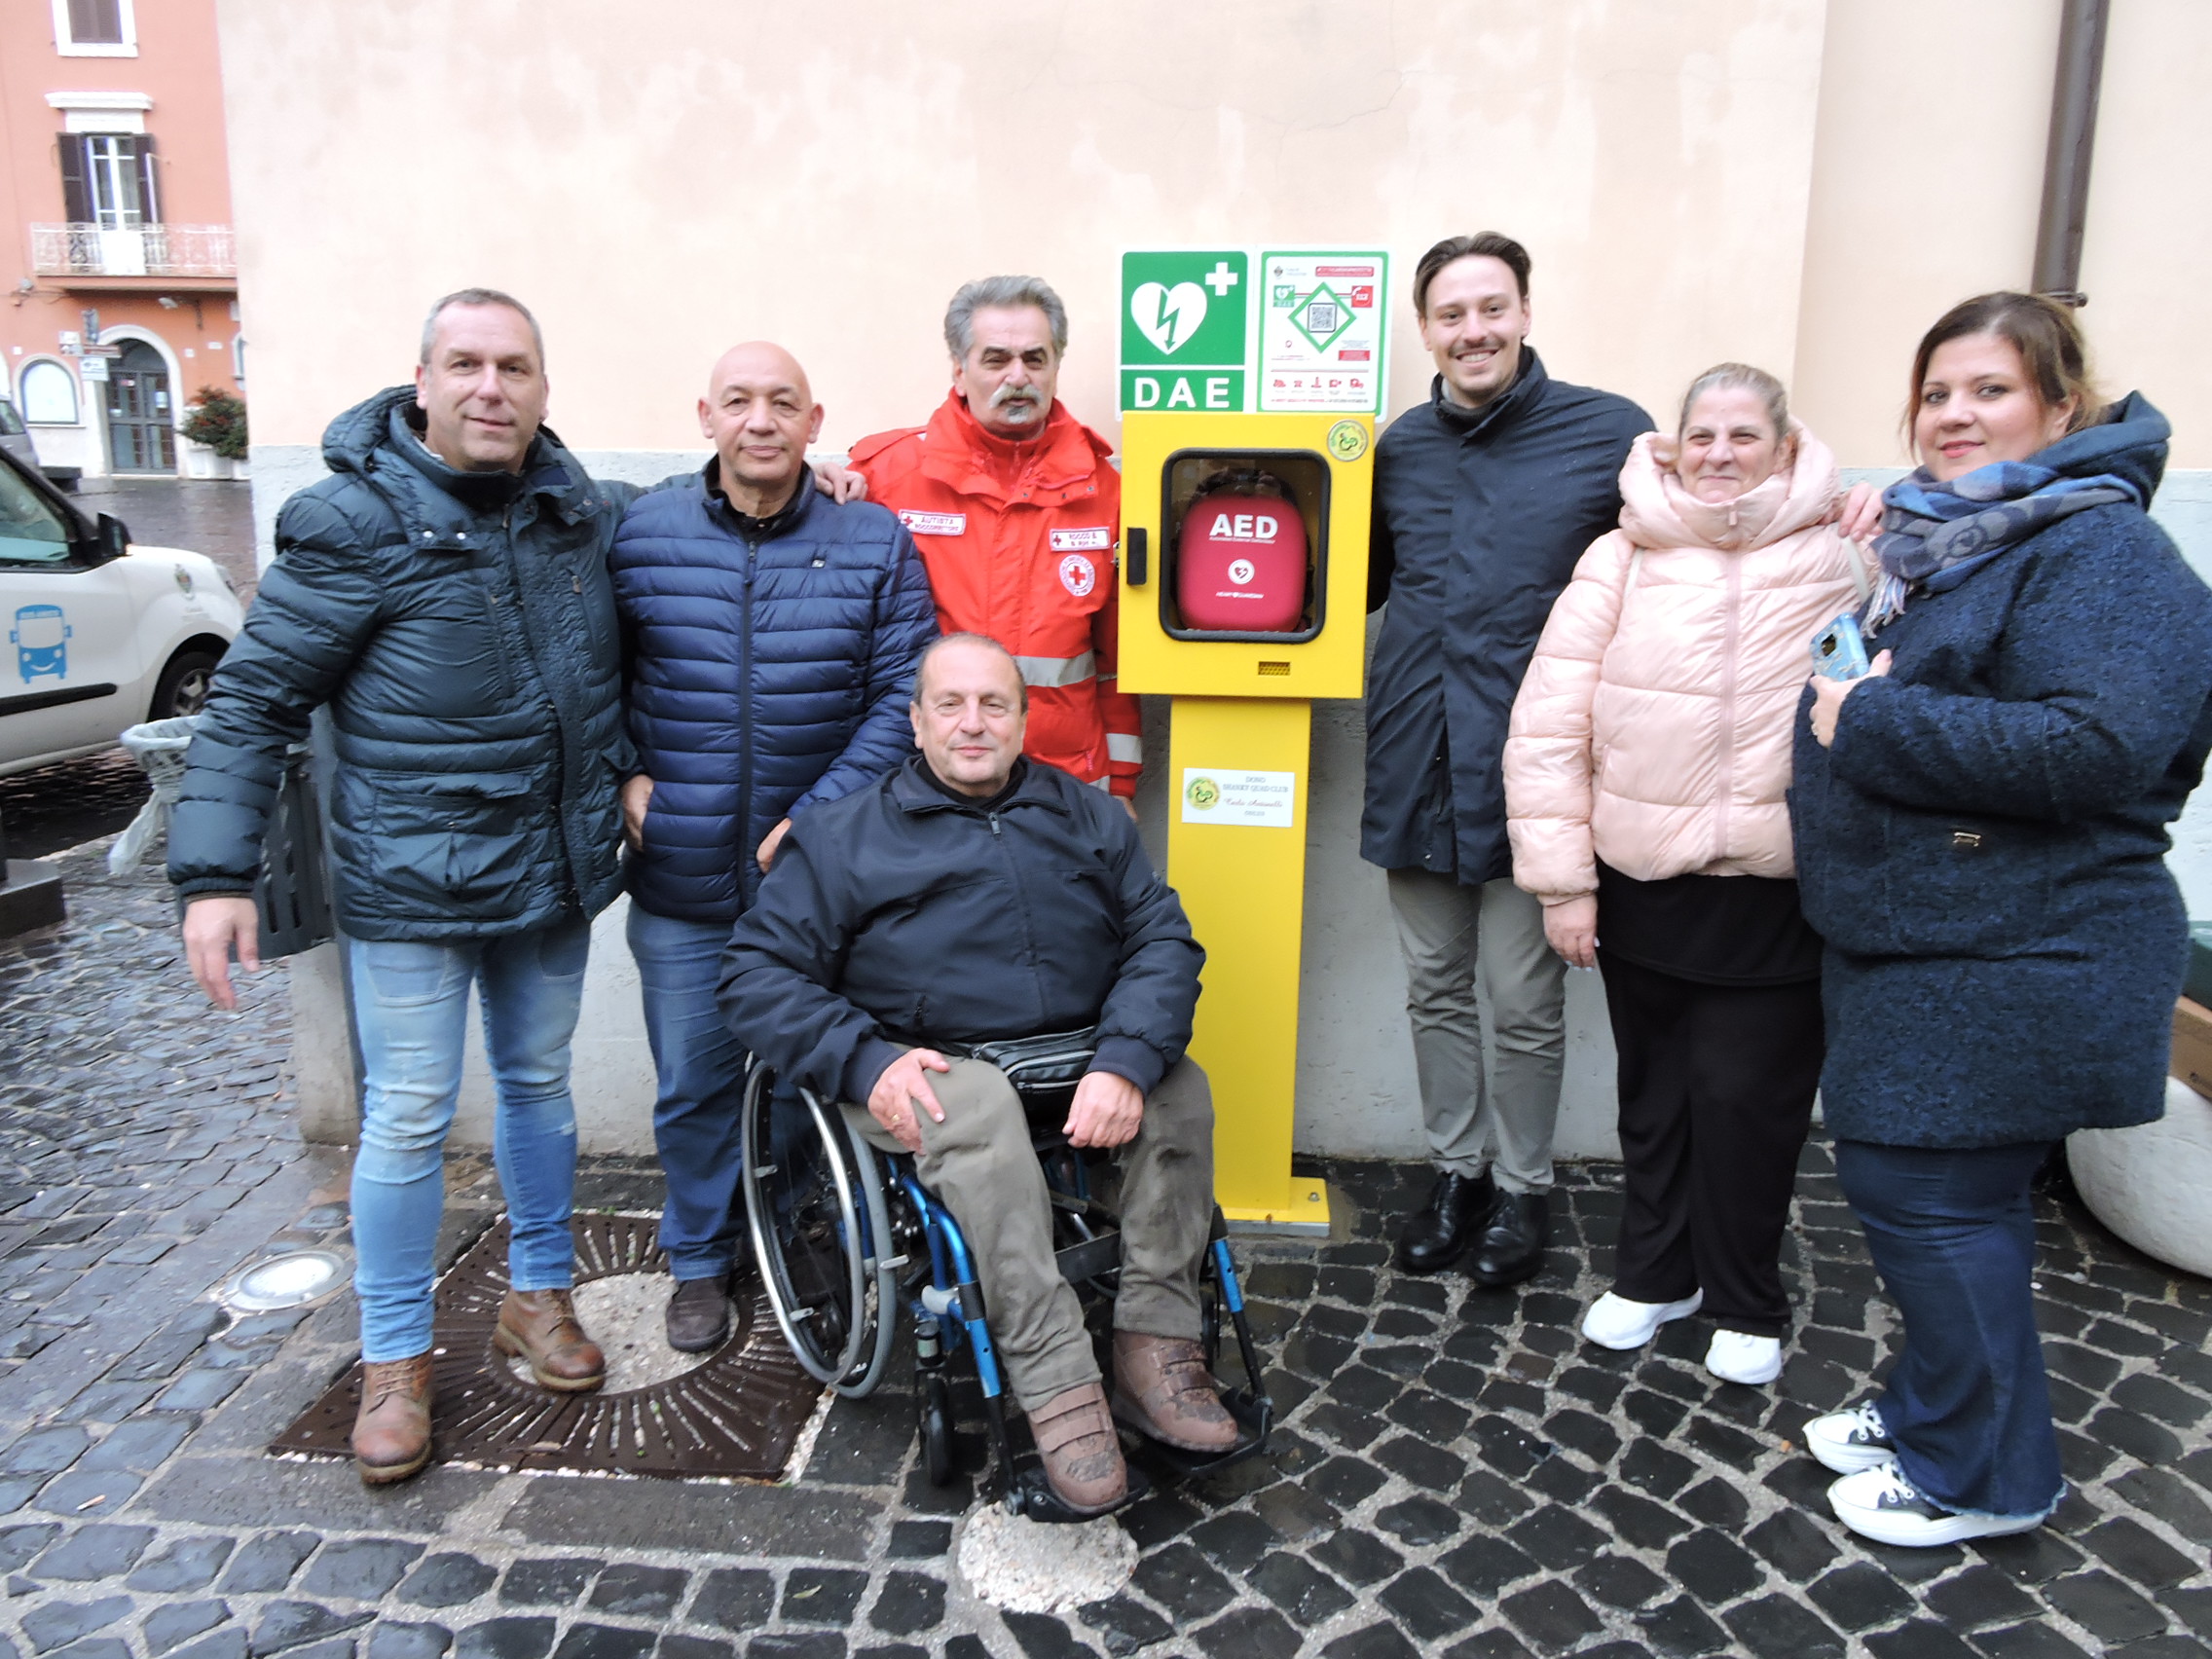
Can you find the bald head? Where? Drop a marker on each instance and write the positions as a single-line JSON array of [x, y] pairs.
[[760, 361], [760, 416]]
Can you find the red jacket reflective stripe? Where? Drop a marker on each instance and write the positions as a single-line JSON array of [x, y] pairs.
[[1019, 543]]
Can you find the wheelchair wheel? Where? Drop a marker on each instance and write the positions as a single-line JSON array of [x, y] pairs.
[[937, 1429], [821, 1233]]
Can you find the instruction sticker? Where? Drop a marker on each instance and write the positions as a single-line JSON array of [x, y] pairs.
[[1266, 801], [1321, 331]]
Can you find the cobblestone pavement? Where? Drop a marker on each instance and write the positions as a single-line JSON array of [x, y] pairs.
[[1456, 1474], [52, 809], [210, 516]]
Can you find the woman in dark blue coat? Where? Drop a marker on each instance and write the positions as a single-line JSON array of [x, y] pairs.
[[1980, 826]]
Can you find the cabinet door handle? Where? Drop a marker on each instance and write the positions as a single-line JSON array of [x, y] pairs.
[[1139, 551]]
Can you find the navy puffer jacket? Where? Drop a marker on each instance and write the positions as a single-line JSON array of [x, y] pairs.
[[771, 662], [461, 630]]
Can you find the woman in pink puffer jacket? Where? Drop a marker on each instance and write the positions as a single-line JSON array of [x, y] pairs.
[[1645, 770]]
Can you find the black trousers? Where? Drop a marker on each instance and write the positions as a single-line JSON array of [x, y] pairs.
[[1717, 1085]]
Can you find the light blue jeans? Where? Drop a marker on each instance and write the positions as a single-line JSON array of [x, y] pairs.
[[411, 1005]]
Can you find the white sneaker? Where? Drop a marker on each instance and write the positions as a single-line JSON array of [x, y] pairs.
[[1883, 1505], [1735, 1357], [1848, 1442], [1616, 1322]]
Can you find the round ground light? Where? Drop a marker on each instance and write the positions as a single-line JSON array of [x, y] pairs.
[[291, 1280]]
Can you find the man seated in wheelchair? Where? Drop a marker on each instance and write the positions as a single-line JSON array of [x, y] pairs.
[[972, 897]]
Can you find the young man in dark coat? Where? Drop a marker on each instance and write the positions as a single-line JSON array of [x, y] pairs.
[[445, 594], [975, 896], [1485, 497], [772, 638]]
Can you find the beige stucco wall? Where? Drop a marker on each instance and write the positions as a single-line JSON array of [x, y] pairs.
[[1798, 183], [1933, 115], [827, 175]]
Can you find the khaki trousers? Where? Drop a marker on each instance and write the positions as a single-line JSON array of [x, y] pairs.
[[978, 1163], [1503, 1123]]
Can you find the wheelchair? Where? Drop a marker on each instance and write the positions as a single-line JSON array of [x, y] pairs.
[[846, 1237]]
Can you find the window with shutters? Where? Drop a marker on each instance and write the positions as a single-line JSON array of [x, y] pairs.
[[95, 28], [107, 181]]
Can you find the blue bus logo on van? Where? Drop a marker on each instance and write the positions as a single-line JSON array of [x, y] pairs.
[[41, 638]]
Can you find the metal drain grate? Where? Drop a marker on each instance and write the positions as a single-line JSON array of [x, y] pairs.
[[738, 1415]]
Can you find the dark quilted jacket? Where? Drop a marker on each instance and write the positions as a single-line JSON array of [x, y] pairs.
[[770, 667], [462, 632], [903, 913]]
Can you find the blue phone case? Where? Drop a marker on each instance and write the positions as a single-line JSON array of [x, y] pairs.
[[1838, 651]]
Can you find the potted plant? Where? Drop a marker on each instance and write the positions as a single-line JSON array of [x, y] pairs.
[[217, 423]]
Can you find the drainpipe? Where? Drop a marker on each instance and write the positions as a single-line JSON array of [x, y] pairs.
[[2066, 164]]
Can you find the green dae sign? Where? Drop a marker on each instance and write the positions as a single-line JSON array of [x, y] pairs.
[[1234, 330], [1186, 330]]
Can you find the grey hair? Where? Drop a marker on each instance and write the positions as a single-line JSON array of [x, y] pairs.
[[936, 645], [1738, 377], [992, 294], [479, 297]]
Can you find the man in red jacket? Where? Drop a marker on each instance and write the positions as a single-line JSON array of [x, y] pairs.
[[1017, 513]]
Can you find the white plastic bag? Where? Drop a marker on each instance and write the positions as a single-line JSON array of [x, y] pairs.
[[159, 747]]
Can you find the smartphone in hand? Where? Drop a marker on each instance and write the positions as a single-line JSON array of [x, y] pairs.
[[1838, 650]]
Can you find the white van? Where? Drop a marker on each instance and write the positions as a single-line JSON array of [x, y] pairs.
[[100, 634]]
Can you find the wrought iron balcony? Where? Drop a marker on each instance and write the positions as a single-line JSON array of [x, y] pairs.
[[145, 250]]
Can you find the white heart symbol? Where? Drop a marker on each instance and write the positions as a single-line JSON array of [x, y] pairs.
[[1168, 317]]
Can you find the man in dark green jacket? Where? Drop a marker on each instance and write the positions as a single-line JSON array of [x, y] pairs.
[[445, 593]]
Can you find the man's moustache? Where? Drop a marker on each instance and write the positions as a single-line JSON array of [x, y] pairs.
[[1015, 394]]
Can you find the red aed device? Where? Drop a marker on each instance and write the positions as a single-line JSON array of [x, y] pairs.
[[1241, 565]]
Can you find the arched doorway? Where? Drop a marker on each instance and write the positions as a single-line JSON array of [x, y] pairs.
[[141, 419]]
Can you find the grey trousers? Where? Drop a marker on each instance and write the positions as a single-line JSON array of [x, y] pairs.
[[978, 1162], [1449, 934]]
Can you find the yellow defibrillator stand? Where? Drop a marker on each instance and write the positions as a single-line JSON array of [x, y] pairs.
[[1236, 364]]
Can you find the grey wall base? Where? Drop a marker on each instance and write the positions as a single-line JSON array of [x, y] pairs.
[[322, 1052], [30, 897]]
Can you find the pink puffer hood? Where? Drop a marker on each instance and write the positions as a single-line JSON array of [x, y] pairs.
[[1652, 729]]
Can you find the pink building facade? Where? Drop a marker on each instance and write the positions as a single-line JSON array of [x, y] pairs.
[[120, 276]]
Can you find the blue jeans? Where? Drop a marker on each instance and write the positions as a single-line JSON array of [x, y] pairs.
[[411, 1005], [1952, 1231], [700, 1066]]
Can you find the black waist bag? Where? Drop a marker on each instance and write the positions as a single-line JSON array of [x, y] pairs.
[[1044, 1069]]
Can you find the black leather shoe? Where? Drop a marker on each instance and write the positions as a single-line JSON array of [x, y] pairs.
[[698, 1314], [1512, 1246], [1439, 1236]]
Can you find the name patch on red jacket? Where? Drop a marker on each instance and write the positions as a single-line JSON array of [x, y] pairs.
[[1093, 540], [933, 524]]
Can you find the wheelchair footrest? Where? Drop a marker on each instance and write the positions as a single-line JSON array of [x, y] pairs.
[[1255, 1415], [1032, 1495]]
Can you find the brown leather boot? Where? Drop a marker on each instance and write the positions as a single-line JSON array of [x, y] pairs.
[[391, 1434], [1161, 1387], [540, 1326], [1081, 1452]]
